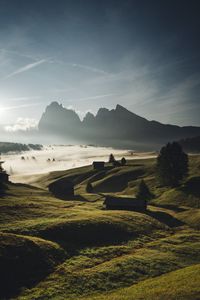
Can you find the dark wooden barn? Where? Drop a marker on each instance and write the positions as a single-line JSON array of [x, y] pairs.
[[98, 165], [4, 177], [124, 203], [62, 188]]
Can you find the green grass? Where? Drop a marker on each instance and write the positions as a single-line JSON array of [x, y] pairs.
[[190, 217], [26, 260], [104, 269], [72, 249], [181, 284], [177, 197]]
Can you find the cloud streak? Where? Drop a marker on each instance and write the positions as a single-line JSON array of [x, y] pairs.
[[93, 97], [24, 98], [26, 68], [88, 68], [80, 66], [6, 108], [11, 52]]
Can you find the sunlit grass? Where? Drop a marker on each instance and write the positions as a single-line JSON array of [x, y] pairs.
[[88, 251]]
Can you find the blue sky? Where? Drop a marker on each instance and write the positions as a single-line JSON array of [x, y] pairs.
[[88, 54]]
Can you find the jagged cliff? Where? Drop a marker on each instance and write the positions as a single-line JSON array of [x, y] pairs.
[[116, 127]]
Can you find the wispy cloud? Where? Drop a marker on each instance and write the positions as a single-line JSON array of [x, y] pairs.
[[88, 68], [26, 68], [24, 98], [80, 66], [92, 97], [81, 113], [22, 124], [21, 54], [6, 108]]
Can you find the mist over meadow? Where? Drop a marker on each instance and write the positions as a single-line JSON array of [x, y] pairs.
[[53, 158]]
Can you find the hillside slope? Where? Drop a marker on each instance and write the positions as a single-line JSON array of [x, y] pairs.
[[79, 249], [181, 284]]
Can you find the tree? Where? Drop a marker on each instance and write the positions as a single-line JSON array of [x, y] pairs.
[[143, 191], [111, 158], [123, 161], [89, 188], [172, 164]]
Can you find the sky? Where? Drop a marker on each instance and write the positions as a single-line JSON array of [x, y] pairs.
[[87, 54]]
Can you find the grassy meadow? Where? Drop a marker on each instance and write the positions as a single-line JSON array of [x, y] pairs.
[[76, 249]]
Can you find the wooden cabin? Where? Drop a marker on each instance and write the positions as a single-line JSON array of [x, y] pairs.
[[4, 177], [98, 165], [124, 203], [62, 188]]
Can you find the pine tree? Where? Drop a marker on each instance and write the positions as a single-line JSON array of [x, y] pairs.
[[123, 161], [111, 158], [89, 188], [172, 164], [143, 191]]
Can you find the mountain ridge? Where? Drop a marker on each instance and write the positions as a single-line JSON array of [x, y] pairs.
[[114, 127]]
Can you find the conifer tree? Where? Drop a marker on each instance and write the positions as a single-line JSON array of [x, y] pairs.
[[172, 164]]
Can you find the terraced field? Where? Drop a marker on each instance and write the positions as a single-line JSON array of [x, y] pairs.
[[75, 249]]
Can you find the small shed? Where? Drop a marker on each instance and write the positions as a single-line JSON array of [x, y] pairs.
[[4, 177], [98, 165], [62, 188], [124, 203]]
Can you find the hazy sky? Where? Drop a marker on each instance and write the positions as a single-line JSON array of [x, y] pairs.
[[144, 55]]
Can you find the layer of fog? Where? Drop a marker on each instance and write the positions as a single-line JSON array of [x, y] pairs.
[[54, 158]]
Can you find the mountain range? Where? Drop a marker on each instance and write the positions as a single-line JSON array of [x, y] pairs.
[[117, 127]]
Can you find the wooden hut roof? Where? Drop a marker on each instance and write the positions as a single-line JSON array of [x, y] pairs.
[[112, 200]]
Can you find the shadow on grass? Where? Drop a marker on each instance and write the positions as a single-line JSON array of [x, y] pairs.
[[170, 206], [24, 264], [192, 187], [117, 182], [165, 218], [75, 235]]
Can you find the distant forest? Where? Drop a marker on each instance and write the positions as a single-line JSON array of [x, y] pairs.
[[191, 144], [17, 147]]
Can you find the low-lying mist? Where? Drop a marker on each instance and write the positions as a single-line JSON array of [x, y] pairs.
[[53, 158]]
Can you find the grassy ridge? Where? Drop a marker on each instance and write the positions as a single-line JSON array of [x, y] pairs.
[[181, 284], [25, 260], [82, 250], [99, 270]]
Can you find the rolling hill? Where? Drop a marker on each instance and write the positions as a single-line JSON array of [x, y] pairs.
[[75, 249]]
